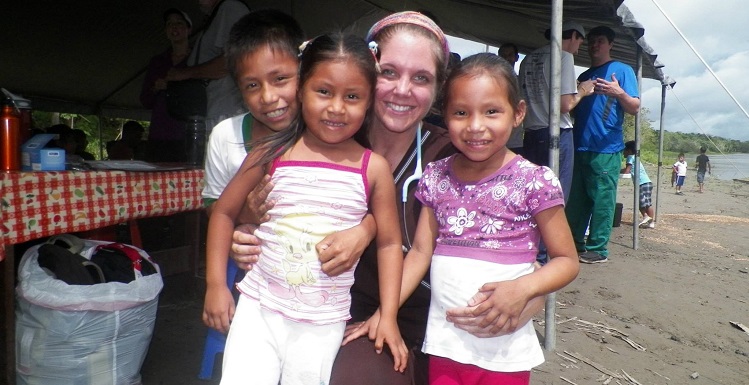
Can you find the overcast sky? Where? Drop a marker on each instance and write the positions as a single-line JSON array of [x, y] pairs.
[[718, 31]]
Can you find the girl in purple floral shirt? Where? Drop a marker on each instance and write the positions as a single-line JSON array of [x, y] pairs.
[[485, 211]]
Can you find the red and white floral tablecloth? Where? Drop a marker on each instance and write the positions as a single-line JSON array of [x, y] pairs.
[[40, 204]]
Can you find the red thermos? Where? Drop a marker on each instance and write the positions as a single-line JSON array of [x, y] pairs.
[[10, 138]]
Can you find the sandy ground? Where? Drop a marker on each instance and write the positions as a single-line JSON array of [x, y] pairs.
[[660, 314]]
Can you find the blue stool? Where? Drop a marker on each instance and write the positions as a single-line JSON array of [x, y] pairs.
[[214, 340]]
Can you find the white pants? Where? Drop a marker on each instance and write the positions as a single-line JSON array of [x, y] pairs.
[[264, 348]]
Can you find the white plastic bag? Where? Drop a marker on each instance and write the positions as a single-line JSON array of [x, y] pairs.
[[38, 287], [82, 334]]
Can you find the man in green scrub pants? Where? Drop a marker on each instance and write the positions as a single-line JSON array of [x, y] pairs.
[[599, 141]]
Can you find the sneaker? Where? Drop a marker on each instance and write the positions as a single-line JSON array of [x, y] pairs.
[[679, 193], [651, 225], [645, 221], [592, 257]]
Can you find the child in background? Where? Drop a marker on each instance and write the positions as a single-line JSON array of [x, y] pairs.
[[488, 209], [262, 56], [290, 318], [646, 186], [703, 164], [680, 168]]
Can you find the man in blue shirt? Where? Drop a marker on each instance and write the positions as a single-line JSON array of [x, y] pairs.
[[599, 141]]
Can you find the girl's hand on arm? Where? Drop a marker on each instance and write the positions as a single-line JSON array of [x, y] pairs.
[[338, 252], [388, 333], [360, 329], [218, 310]]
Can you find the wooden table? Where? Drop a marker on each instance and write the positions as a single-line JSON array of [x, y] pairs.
[[40, 204]]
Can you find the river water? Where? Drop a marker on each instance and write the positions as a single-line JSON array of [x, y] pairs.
[[726, 167]]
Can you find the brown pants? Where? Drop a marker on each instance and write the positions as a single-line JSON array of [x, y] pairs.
[[358, 363]]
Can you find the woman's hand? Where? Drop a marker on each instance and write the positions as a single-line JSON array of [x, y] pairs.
[[498, 308], [257, 203], [245, 247]]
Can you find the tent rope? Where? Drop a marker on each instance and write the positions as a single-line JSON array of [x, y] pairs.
[[701, 59]]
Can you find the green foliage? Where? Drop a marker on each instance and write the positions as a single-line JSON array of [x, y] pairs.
[[110, 127], [676, 142]]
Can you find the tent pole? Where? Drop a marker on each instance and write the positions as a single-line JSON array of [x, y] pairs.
[[636, 165], [660, 152], [550, 330]]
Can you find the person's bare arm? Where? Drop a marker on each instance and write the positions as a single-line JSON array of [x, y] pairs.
[[570, 101], [389, 259], [219, 308], [257, 204], [415, 267]]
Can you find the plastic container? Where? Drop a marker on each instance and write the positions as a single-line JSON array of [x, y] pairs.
[[23, 106], [618, 214], [10, 137]]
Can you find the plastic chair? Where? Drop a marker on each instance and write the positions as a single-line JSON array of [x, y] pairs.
[[214, 340]]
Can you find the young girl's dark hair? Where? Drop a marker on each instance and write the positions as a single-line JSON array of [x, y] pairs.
[[266, 27], [325, 48], [491, 65]]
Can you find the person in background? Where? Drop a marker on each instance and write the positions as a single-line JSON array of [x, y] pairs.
[[646, 186], [703, 165], [413, 54], [535, 83], [166, 135], [599, 141], [61, 130], [130, 144], [680, 167], [290, 318], [487, 223], [81, 143], [509, 52], [207, 61], [69, 143]]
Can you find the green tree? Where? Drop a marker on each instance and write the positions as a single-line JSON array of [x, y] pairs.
[[110, 127]]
